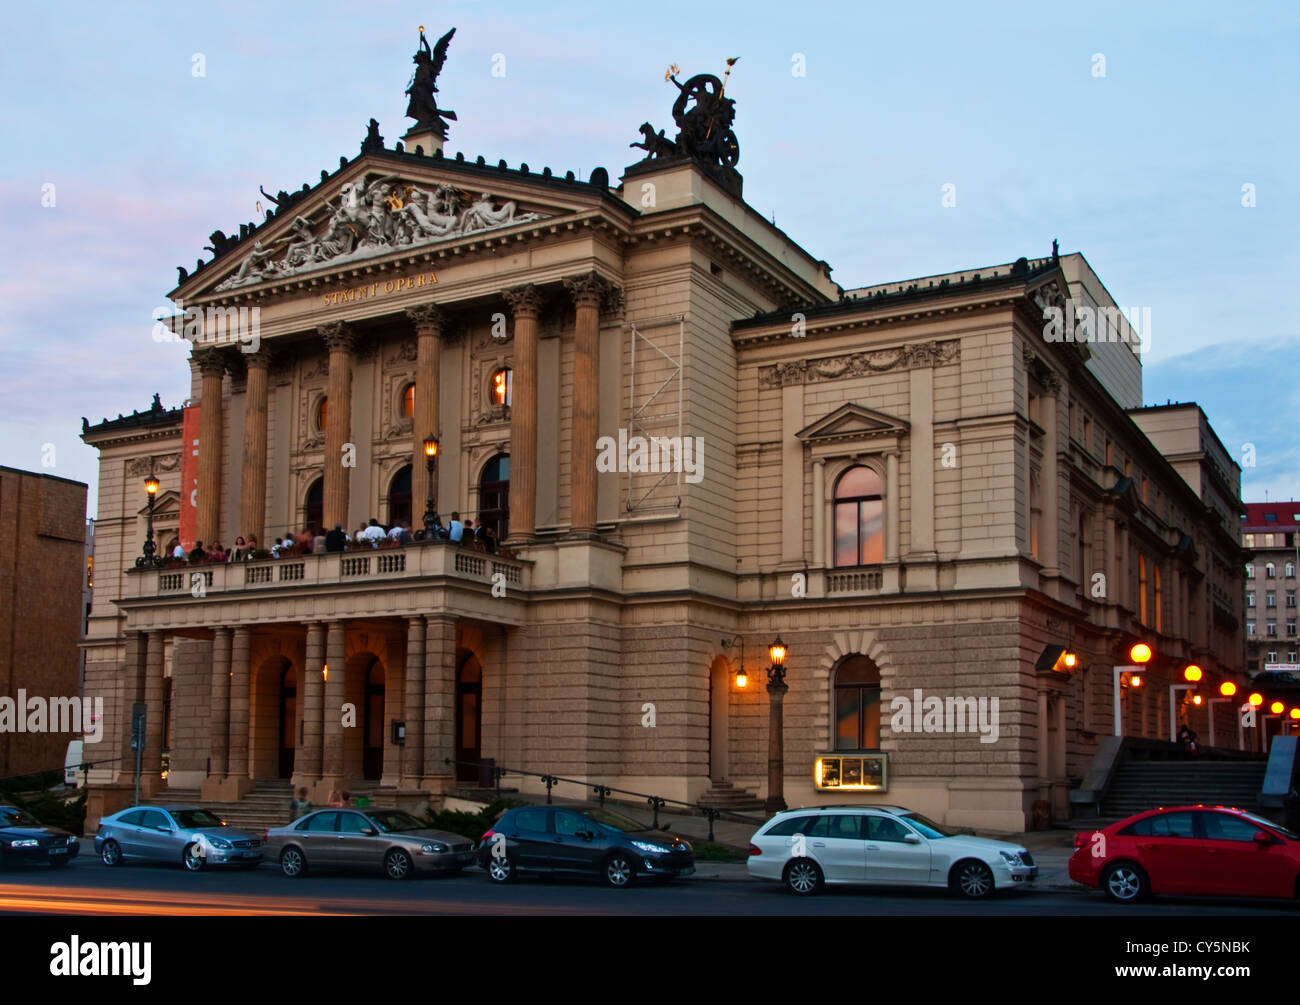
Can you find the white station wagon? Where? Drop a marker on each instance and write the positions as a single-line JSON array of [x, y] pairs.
[[881, 846]]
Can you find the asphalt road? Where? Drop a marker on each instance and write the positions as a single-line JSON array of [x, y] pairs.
[[88, 888]]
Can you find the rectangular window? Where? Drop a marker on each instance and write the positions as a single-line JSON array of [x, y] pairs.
[[1290, 657], [1290, 628], [1290, 598], [1290, 570], [1250, 571], [1160, 600], [1270, 599], [1250, 628], [1249, 540], [1250, 598], [1272, 657], [1142, 589], [1272, 629]]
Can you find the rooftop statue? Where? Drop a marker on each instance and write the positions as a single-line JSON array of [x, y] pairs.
[[704, 115], [423, 106]]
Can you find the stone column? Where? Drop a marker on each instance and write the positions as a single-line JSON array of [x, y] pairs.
[[819, 513], [1048, 553], [587, 292], [151, 764], [413, 705], [338, 420], [307, 769], [429, 321], [240, 655], [133, 675], [775, 801], [526, 305], [439, 701], [207, 517], [219, 709], [332, 767], [252, 494], [891, 506]]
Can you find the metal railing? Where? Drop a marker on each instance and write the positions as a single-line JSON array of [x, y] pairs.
[[601, 792]]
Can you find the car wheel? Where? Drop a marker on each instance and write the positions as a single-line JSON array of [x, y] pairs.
[[111, 853], [501, 869], [619, 871], [192, 856], [397, 864], [1124, 882], [292, 863], [972, 879], [803, 876]]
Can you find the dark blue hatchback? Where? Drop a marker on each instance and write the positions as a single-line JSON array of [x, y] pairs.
[[582, 840], [24, 839]]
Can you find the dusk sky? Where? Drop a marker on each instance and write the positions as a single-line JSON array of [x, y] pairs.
[[1142, 169]]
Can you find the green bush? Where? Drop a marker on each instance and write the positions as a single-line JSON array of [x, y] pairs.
[[54, 809], [470, 825]]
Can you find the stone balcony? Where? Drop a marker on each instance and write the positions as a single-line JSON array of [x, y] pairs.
[[298, 585]]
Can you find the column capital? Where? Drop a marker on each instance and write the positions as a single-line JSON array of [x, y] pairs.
[[524, 301], [429, 319], [591, 290], [337, 335], [262, 359], [211, 362]]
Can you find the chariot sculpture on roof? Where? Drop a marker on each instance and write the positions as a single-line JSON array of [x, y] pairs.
[[704, 116]]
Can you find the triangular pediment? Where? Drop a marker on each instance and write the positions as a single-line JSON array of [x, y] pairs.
[[168, 504], [852, 421], [375, 209]]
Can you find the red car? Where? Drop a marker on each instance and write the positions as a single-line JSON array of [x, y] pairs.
[[1213, 850]]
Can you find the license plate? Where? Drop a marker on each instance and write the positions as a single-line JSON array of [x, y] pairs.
[[58, 851]]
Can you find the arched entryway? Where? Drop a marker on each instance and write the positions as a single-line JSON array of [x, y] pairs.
[[469, 716], [372, 741], [288, 738], [313, 509], [719, 719], [494, 496], [399, 497]]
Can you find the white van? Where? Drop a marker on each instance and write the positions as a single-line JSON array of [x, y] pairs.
[[71, 776]]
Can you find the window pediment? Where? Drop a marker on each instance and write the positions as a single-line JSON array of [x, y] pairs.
[[854, 426]]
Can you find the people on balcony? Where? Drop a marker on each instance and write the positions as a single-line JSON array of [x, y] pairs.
[[217, 553], [456, 529], [240, 552], [197, 554], [337, 539]]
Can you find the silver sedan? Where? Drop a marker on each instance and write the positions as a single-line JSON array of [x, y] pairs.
[[388, 840], [187, 834]]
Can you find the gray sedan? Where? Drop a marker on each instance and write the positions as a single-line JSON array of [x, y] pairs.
[[391, 840], [186, 834]]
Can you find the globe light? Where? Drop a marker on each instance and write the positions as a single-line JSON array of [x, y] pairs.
[[1227, 689], [1193, 673], [1276, 708], [1140, 653], [1256, 699], [1196, 699]]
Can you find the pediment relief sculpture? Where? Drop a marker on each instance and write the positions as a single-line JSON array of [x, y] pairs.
[[373, 216]]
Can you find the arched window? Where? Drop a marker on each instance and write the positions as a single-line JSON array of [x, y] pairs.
[[1269, 570], [408, 401], [399, 497], [1250, 570], [314, 506], [857, 705], [501, 386], [494, 496], [859, 518]]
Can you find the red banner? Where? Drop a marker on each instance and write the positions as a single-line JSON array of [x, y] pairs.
[[189, 475]]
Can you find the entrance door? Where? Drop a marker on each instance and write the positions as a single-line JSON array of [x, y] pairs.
[[372, 752], [288, 720], [494, 496], [469, 717], [719, 699]]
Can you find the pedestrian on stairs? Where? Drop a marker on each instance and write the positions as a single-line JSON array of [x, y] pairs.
[[299, 805]]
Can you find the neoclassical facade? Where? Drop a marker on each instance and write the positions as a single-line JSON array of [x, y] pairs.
[[910, 484]]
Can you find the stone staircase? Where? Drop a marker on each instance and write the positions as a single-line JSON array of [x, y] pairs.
[[267, 805], [1145, 785], [725, 796]]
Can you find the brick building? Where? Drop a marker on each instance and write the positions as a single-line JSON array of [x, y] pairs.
[[42, 574], [925, 493]]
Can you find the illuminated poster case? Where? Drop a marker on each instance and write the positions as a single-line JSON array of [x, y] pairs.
[[851, 772]]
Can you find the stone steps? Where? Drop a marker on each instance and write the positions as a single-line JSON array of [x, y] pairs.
[[1145, 785]]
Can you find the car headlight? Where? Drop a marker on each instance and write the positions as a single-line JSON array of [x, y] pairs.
[[647, 846], [72, 839], [25, 843], [434, 848], [220, 843], [1013, 858], [686, 844]]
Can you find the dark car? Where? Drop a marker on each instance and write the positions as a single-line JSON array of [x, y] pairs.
[[1190, 850], [370, 840], [23, 838], [581, 840]]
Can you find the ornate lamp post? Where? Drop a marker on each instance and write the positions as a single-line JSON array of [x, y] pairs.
[[776, 689], [149, 560], [430, 512]]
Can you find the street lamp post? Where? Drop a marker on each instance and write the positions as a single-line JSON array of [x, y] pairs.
[[430, 511], [776, 689], [150, 559]]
